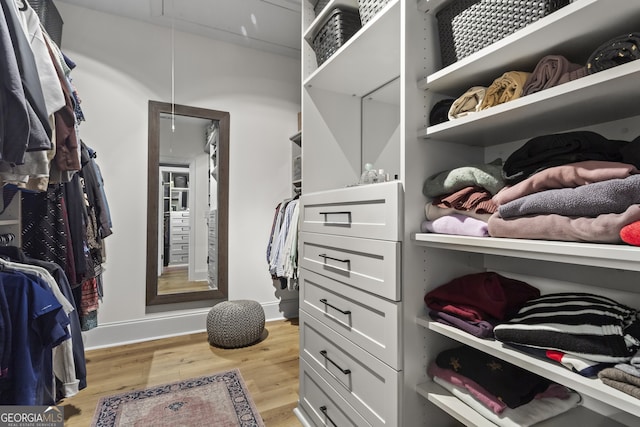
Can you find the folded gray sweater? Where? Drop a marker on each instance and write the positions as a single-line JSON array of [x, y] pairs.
[[591, 200]]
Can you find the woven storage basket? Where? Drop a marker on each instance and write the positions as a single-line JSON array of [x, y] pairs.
[[368, 8], [49, 18], [466, 26], [341, 24]]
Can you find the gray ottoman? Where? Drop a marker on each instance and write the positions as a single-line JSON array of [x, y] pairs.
[[233, 324]]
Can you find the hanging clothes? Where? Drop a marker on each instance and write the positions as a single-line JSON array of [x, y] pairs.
[[282, 246]]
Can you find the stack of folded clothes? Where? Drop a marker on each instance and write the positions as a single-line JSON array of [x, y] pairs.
[[624, 376], [462, 199], [574, 186], [503, 393], [476, 302], [550, 71], [584, 332]]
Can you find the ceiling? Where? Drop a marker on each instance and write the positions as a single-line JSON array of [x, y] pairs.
[[269, 25]]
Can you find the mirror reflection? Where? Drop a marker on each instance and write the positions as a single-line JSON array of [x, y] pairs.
[[381, 128], [189, 161]]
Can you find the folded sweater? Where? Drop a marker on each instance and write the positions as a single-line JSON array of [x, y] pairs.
[[604, 228], [468, 102], [550, 71], [616, 51], [551, 150], [487, 176], [481, 296], [460, 225], [566, 176], [631, 233], [505, 88], [511, 384], [591, 200], [586, 325]]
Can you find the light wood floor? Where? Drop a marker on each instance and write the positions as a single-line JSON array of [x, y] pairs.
[[269, 369], [175, 280]]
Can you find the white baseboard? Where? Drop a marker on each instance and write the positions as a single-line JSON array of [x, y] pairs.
[[171, 325]]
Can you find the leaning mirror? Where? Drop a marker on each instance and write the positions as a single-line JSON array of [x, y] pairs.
[[187, 203]]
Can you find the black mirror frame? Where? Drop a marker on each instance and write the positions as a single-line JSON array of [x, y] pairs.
[[223, 118]]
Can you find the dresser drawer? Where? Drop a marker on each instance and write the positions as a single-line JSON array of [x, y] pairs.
[[368, 385], [370, 265], [370, 211], [180, 229], [179, 238], [179, 259], [323, 405], [368, 321], [180, 249], [179, 221]]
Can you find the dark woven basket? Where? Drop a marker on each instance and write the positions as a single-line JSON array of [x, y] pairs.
[[49, 18], [368, 9], [340, 26], [321, 4], [466, 26]]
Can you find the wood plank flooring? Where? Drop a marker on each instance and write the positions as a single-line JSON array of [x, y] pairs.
[[175, 280], [269, 369]]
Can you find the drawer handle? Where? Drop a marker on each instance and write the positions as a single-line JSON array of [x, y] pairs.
[[344, 371], [323, 409], [326, 257], [326, 215], [325, 302]]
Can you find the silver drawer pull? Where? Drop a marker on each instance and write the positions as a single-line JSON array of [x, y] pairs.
[[326, 257], [344, 371], [325, 302], [342, 223], [323, 409]]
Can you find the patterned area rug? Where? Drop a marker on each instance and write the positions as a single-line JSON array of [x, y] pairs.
[[219, 400]]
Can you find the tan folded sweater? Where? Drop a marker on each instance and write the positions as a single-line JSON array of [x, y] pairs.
[[505, 88]]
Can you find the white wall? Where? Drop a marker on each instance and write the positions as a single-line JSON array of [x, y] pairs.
[[121, 65]]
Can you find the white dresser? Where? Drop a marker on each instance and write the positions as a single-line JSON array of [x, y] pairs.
[[179, 238], [350, 306]]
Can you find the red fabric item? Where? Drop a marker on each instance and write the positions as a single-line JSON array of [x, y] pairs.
[[481, 296], [631, 233]]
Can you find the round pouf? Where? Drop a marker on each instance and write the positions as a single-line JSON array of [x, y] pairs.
[[233, 324]]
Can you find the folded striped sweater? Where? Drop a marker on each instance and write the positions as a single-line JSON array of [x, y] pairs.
[[585, 325]]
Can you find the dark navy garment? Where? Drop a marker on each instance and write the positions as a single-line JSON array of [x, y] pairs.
[[17, 255], [38, 323]]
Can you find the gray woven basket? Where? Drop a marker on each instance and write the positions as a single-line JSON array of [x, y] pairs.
[[233, 324], [341, 24], [466, 26], [368, 9]]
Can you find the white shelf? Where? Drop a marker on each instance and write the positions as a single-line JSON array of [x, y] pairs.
[[586, 386], [605, 96], [622, 257], [562, 32], [469, 417], [353, 70]]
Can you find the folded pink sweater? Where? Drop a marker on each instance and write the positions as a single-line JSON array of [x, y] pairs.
[[604, 228], [566, 176]]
